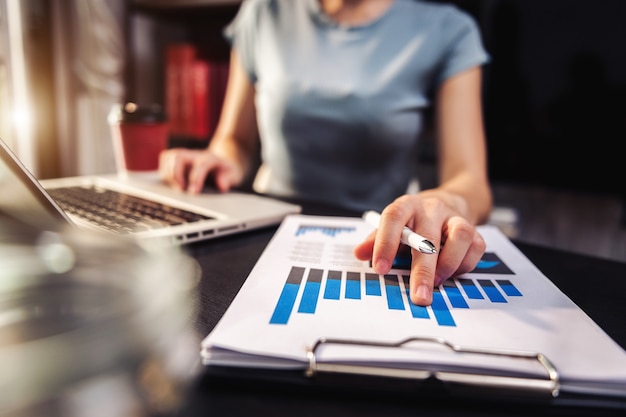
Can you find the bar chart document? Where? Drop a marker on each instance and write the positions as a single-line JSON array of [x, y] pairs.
[[309, 304]]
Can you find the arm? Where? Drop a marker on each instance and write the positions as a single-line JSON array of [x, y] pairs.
[[448, 213], [462, 146], [229, 154]]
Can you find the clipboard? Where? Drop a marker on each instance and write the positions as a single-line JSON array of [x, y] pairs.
[[537, 326], [357, 381], [543, 387]]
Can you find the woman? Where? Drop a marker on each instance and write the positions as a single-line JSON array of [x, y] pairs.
[[336, 91]]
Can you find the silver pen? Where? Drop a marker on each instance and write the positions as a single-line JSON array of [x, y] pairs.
[[409, 237]]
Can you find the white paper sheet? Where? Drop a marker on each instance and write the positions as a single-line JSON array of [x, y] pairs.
[[506, 303]]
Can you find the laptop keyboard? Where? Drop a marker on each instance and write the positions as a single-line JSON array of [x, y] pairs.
[[118, 212]]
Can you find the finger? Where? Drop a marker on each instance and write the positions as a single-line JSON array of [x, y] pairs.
[[223, 179], [180, 162], [473, 255], [364, 250], [459, 239], [200, 169], [424, 266], [387, 240], [167, 165], [164, 166], [422, 278]]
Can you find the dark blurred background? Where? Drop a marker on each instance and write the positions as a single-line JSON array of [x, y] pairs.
[[554, 107], [554, 112]]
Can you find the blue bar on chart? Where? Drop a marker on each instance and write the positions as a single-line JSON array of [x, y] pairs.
[[308, 302], [471, 290], [441, 310], [494, 295], [372, 284], [287, 297], [508, 288], [331, 231], [353, 285], [418, 312], [333, 285], [394, 295], [454, 294]]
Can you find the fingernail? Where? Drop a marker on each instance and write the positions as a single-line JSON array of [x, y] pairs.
[[423, 292]]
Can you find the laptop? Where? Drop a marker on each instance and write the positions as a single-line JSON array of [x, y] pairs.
[[140, 206]]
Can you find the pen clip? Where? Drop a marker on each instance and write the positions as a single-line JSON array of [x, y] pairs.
[[429, 249]]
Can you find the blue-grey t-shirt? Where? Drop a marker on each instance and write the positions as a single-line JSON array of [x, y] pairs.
[[340, 108]]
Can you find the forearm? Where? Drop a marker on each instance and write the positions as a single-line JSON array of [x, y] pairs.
[[236, 135], [461, 147]]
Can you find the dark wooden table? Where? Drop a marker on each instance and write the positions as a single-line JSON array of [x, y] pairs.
[[597, 285]]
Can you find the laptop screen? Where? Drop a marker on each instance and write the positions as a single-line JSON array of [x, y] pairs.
[[23, 198]]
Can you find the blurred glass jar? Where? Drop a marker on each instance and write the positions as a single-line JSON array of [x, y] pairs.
[[92, 325]]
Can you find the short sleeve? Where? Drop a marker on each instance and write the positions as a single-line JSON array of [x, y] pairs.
[[240, 33], [464, 48]]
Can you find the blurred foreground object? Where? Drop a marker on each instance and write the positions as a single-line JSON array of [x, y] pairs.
[[92, 325]]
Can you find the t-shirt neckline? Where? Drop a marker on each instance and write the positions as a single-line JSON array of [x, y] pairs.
[[315, 9]]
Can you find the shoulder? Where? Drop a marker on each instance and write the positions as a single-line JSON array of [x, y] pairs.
[[443, 22], [273, 15], [437, 12]]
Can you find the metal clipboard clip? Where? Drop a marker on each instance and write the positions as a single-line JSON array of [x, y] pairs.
[[549, 386]]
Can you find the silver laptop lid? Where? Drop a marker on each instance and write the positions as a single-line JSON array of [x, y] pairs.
[[23, 197]]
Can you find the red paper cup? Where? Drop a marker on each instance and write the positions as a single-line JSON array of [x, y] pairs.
[[139, 135]]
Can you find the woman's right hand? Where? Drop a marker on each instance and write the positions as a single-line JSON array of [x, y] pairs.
[[189, 169]]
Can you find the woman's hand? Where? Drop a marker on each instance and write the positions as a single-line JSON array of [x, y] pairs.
[[435, 215], [189, 169]]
